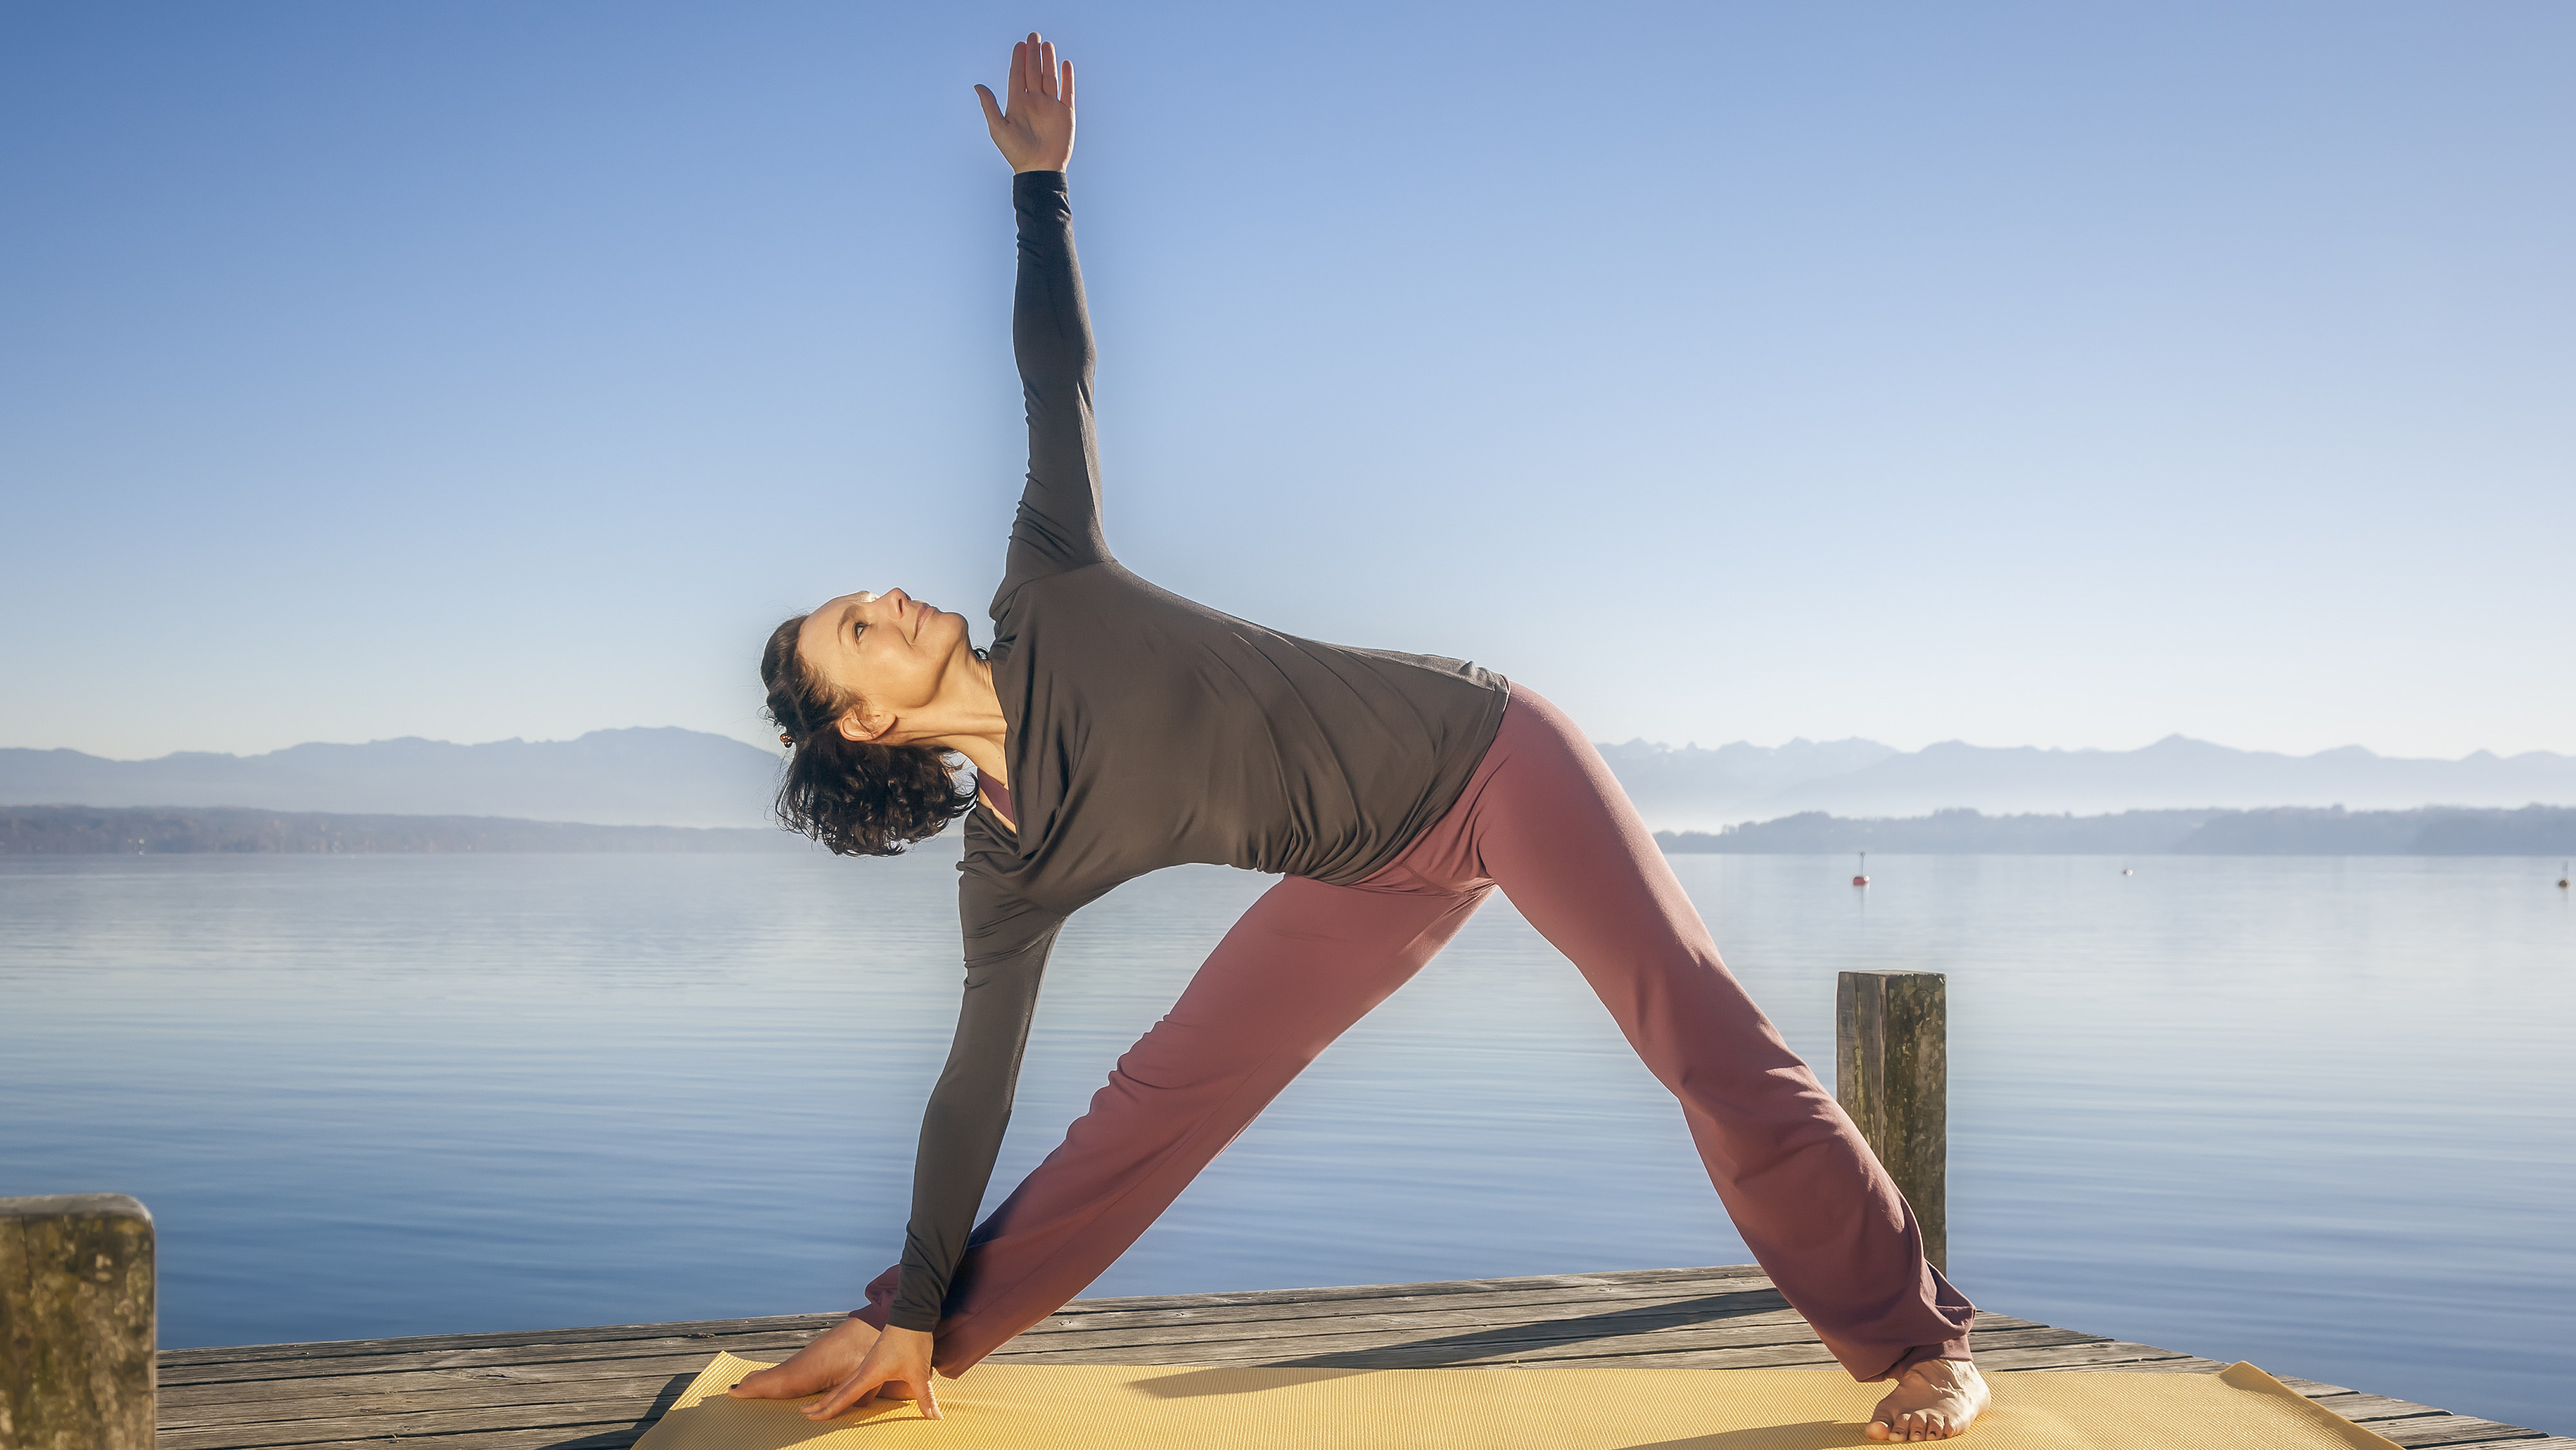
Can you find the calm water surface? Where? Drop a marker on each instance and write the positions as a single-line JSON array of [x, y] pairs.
[[2315, 1113]]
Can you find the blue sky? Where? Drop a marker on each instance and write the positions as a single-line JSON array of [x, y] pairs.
[[2065, 375]]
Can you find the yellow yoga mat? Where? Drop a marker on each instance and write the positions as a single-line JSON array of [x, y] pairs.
[[1126, 1407]]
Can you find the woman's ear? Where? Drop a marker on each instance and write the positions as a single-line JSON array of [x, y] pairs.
[[865, 724]]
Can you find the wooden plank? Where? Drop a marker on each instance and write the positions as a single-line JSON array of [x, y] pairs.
[[628, 1416], [1292, 1332], [1788, 1354], [2093, 1353], [556, 1437], [242, 1399], [417, 1392], [1543, 1301], [1505, 1344], [1607, 1277], [2448, 1430], [558, 1348], [601, 1334], [1611, 1283], [502, 1356], [1180, 1331], [2356, 1406]]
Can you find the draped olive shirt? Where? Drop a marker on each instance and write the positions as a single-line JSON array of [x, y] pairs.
[[1144, 731]]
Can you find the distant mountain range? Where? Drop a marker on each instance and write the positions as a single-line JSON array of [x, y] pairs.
[[2279, 831], [670, 777], [663, 777], [1692, 788], [2282, 831], [240, 830]]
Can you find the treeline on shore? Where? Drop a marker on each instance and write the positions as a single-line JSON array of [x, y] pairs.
[[2281, 831], [150, 830]]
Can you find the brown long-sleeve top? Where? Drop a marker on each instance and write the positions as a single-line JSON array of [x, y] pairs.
[[1144, 731]]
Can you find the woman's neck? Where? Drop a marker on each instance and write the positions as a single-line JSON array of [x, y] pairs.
[[967, 718]]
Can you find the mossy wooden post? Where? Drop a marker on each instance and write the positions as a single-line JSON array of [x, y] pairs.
[[1892, 1074], [75, 1323]]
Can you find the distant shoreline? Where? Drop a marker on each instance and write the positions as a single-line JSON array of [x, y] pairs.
[[243, 830], [2280, 831], [2283, 831]]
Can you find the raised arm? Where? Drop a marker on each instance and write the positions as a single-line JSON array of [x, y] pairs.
[[1058, 524]]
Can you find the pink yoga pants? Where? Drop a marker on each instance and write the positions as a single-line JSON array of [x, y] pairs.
[[1544, 820]]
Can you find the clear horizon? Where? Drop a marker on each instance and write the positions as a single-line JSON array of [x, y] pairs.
[[1992, 372]]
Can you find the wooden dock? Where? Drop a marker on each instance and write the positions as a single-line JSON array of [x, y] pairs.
[[598, 1389]]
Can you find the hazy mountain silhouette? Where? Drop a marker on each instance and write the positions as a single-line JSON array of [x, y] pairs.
[[670, 777], [1702, 785], [646, 777], [1703, 789], [2275, 831], [248, 830]]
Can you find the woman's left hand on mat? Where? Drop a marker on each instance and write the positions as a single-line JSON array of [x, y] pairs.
[[897, 1367]]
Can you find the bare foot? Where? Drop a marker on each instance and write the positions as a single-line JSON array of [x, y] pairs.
[[827, 1359], [1933, 1400]]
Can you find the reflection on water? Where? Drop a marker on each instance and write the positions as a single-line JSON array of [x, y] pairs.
[[2309, 1112]]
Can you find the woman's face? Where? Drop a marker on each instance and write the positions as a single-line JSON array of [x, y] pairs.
[[889, 651]]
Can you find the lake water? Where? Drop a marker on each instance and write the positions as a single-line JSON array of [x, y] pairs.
[[2315, 1113]]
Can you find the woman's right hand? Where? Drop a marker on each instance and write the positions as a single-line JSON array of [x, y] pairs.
[[897, 1367], [1036, 132]]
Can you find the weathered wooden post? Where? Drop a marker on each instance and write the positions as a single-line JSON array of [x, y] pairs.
[[1892, 1074], [76, 1332]]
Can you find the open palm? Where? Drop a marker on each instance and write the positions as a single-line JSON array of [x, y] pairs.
[[1035, 132]]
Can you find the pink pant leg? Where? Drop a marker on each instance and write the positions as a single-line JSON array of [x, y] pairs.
[[1551, 825], [1303, 964]]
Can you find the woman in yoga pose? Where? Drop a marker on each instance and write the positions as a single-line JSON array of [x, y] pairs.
[[1116, 729]]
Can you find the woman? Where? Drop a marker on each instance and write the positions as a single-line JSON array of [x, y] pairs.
[[1116, 729]]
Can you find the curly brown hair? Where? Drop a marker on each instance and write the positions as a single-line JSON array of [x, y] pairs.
[[856, 797]]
